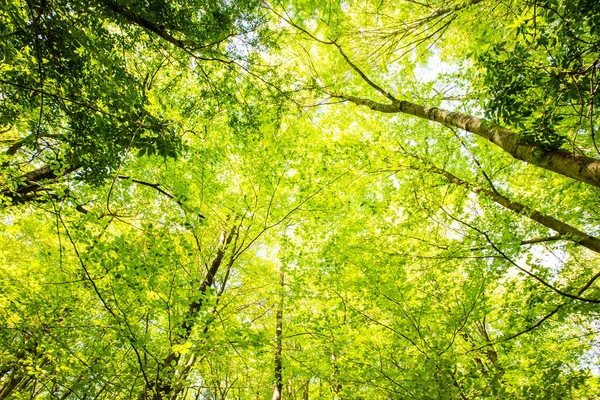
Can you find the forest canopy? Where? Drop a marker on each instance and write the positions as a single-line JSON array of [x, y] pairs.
[[299, 199]]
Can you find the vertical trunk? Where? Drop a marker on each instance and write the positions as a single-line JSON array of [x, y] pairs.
[[336, 385], [306, 390], [278, 346], [491, 353]]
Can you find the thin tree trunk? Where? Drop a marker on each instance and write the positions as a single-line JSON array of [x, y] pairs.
[[7, 389], [277, 390], [490, 351], [561, 227], [336, 385], [306, 390], [164, 387]]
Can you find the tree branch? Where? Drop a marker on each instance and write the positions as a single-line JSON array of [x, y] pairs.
[[30, 184], [135, 19], [579, 167], [564, 229], [156, 186]]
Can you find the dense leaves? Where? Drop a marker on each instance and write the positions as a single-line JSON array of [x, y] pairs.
[[242, 200], [79, 80], [543, 76]]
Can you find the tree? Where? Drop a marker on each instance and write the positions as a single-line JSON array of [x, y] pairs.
[[544, 151], [83, 84], [538, 152]]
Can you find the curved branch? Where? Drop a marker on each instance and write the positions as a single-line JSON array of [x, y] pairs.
[[156, 186], [135, 19]]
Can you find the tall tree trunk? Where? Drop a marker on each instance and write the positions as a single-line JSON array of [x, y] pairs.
[[277, 390], [336, 385], [306, 390]]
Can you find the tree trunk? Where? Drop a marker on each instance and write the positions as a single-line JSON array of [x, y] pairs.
[[32, 184], [164, 387], [576, 166], [277, 390], [306, 390], [135, 19], [561, 227]]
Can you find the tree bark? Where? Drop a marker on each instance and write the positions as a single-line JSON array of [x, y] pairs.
[[277, 390], [135, 19], [564, 229], [576, 166], [32, 183], [164, 387]]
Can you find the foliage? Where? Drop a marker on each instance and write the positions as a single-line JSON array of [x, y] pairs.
[[542, 77], [81, 81]]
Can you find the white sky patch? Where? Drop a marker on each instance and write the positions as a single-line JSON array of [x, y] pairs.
[[453, 231], [434, 67], [262, 253], [398, 217], [591, 359], [554, 261], [293, 265], [268, 253], [290, 231]]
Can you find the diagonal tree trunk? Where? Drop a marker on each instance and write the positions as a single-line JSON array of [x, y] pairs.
[[164, 386], [559, 226], [31, 184], [135, 19], [576, 166]]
